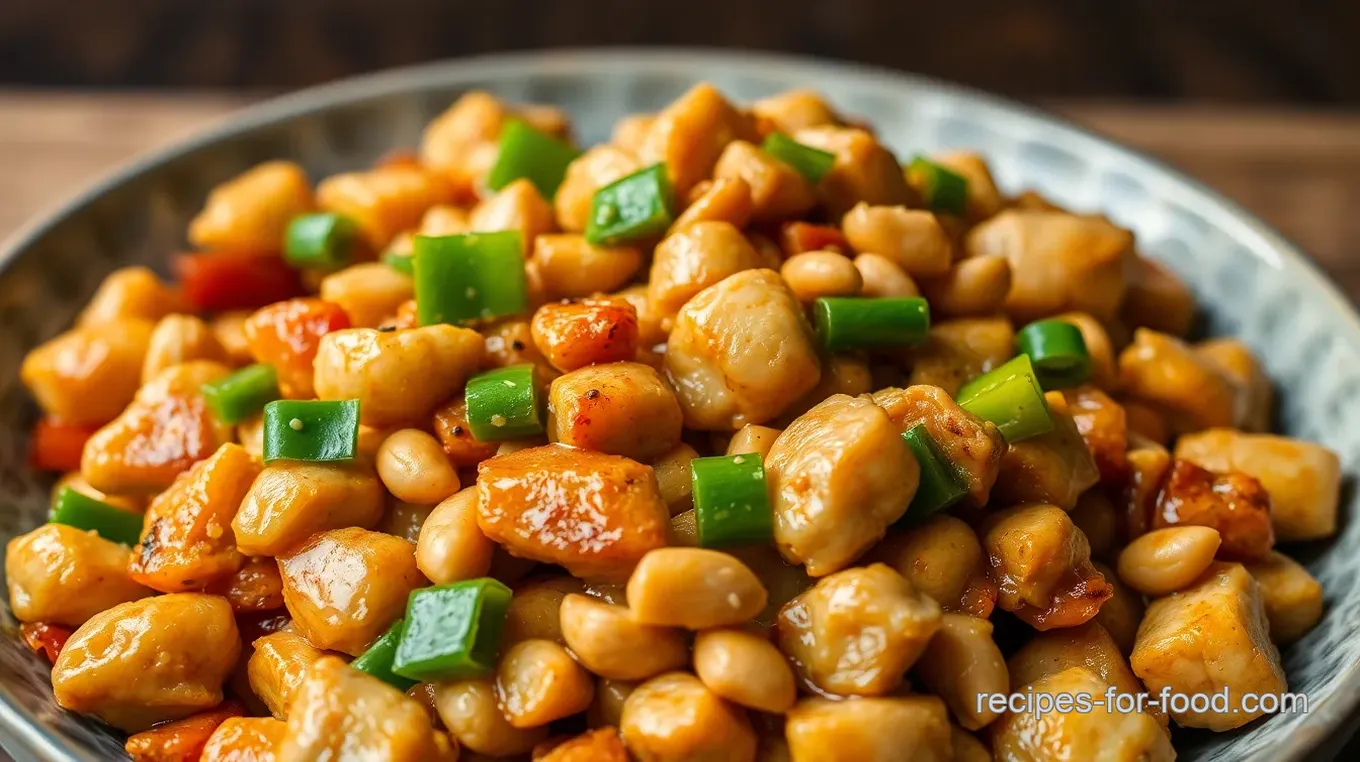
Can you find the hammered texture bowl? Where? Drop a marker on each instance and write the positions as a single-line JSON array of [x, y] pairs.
[[1250, 282]]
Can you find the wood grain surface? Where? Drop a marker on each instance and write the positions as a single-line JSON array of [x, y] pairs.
[[1300, 171]]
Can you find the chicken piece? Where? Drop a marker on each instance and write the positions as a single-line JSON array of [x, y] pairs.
[[695, 257], [838, 476], [1149, 463], [1059, 262], [244, 739], [623, 408], [286, 335], [517, 206], [187, 541], [276, 668], [793, 110], [1054, 467], [726, 199], [451, 427], [1234, 503], [975, 447], [963, 664], [602, 745], [1241, 365], [593, 513], [857, 632], [178, 339], [251, 211], [1088, 646], [588, 173], [865, 170], [572, 268], [778, 191], [1102, 733], [87, 376], [1208, 637], [591, 332], [397, 376], [1103, 426], [674, 718], [741, 352], [383, 202], [690, 134], [1303, 478], [291, 500], [344, 715], [1042, 564], [869, 730], [1292, 597], [346, 586], [1195, 393], [959, 350], [460, 143], [58, 574], [147, 661], [984, 199], [165, 430], [130, 292], [1156, 298], [1104, 372]]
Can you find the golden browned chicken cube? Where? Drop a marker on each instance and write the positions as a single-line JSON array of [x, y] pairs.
[[1292, 597], [346, 586], [1212, 636], [276, 668], [375, 368], [963, 665], [89, 374], [165, 430], [690, 134], [1104, 427], [517, 206], [778, 191], [673, 717], [58, 574], [573, 268], [865, 170], [959, 350], [460, 143], [1042, 564], [187, 541], [574, 335], [1054, 467], [1099, 734], [725, 199], [695, 257], [622, 408], [291, 500], [792, 110], [1193, 390], [1157, 298], [972, 445], [384, 201], [1303, 478], [1059, 262], [252, 211], [589, 172], [741, 352], [130, 292], [1149, 463], [244, 739], [1240, 363], [857, 632], [595, 514], [869, 730], [838, 476], [370, 293], [1087, 645], [147, 661], [344, 715], [1233, 503]]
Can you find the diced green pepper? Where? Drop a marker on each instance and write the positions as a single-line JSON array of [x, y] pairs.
[[848, 322], [942, 189], [452, 631], [812, 163], [503, 404], [468, 277], [377, 660], [940, 486], [633, 208], [1058, 353], [311, 430], [1010, 397], [526, 152], [242, 394], [325, 240], [74, 508], [731, 503], [402, 263]]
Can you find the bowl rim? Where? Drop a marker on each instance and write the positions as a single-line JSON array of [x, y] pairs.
[[1324, 722]]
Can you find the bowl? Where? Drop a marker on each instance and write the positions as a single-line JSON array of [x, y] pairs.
[[1250, 282]]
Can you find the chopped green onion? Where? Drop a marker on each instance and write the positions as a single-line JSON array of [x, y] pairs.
[[943, 189], [242, 394], [1058, 353], [402, 263], [633, 208], [811, 163], [526, 152], [475, 276], [1010, 397], [323, 240], [731, 503], [74, 508], [377, 660], [855, 323], [312, 430], [503, 404], [940, 486], [452, 631]]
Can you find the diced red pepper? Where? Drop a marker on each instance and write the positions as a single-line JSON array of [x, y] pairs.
[[56, 446], [798, 237], [44, 638], [181, 740], [218, 281], [286, 335]]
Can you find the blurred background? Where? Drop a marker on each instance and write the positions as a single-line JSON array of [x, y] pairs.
[[1260, 99]]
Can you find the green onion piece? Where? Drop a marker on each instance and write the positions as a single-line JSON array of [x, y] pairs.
[[81, 511], [633, 208], [402, 263], [475, 276], [503, 404], [377, 660], [324, 240], [452, 631], [940, 486], [312, 430], [811, 163], [731, 504], [242, 394], [943, 189], [526, 152], [1010, 397], [846, 322], [1058, 353]]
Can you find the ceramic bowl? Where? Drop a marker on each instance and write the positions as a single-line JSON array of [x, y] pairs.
[[1251, 283]]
